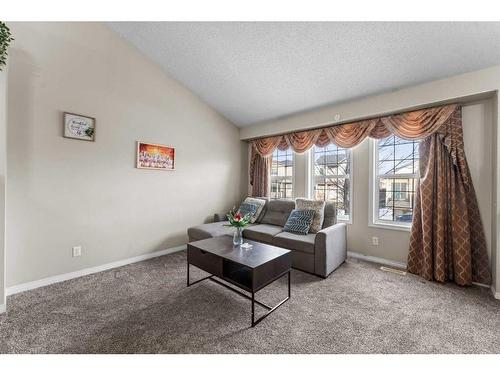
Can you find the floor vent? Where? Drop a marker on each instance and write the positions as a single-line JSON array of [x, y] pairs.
[[393, 270]]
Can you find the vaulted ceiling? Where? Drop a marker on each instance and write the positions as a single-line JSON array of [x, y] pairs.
[[258, 71]]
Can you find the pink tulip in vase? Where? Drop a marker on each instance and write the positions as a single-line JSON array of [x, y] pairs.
[[239, 222]]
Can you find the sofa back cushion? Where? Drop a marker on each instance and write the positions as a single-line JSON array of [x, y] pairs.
[[330, 217], [276, 212]]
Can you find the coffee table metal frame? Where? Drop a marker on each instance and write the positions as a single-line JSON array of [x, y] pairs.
[[252, 297]]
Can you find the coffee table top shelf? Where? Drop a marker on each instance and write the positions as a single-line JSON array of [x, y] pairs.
[[223, 246]]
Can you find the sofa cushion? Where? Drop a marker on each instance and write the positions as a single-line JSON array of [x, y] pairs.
[[277, 212], [330, 215], [299, 221], [262, 232], [319, 214], [298, 242], [252, 206], [203, 231]]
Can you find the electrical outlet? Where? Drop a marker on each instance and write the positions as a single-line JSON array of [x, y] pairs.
[[375, 241], [77, 251]]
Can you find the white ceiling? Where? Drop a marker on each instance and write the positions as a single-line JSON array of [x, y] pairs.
[[257, 71]]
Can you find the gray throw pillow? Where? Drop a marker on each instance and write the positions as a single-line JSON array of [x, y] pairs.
[[299, 221], [319, 212]]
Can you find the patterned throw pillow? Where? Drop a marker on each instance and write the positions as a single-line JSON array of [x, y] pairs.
[[299, 221], [319, 212], [253, 206], [248, 208]]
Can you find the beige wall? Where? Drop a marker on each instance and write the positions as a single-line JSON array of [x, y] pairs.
[[65, 192], [3, 157], [484, 158]]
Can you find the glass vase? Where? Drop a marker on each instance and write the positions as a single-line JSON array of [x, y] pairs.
[[238, 236]]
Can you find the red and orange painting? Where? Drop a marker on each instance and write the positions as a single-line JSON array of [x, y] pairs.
[[153, 156]]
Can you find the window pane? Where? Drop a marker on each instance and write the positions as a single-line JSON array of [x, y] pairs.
[[389, 141], [403, 166], [386, 153], [319, 194], [399, 141], [343, 168], [386, 167], [282, 175], [404, 151], [396, 199], [331, 169], [403, 214]]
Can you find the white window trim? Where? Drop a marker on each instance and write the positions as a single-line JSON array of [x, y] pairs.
[[294, 179], [310, 182], [294, 175], [373, 220]]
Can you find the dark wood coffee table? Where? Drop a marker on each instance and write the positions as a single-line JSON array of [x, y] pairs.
[[250, 270]]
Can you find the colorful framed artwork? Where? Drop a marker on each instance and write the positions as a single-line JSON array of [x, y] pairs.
[[79, 127], [155, 156]]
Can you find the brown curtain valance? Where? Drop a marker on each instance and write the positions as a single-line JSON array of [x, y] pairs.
[[409, 125]]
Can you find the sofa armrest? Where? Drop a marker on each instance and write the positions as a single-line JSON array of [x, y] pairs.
[[330, 249], [220, 216]]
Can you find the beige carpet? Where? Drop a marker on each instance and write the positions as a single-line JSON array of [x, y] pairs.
[[147, 308]]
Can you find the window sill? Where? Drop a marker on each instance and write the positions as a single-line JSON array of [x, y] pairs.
[[398, 227]]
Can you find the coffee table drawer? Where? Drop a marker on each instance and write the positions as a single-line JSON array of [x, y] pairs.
[[271, 271], [206, 261]]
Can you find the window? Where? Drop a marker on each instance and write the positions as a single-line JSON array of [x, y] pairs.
[[282, 175], [331, 177], [395, 177]]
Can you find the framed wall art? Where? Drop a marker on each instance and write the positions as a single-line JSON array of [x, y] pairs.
[[79, 127], [155, 156]]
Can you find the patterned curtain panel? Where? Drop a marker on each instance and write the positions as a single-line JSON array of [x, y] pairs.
[[260, 174], [447, 238]]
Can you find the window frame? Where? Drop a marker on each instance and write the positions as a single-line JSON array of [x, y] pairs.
[[294, 176], [310, 179], [373, 219]]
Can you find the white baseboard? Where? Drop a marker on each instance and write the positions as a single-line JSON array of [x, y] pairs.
[[369, 258], [88, 271], [482, 285], [3, 309], [495, 293]]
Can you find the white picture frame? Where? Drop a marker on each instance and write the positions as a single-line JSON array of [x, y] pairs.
[[79, 127]]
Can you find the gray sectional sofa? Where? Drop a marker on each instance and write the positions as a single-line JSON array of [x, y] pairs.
[[318, 253]]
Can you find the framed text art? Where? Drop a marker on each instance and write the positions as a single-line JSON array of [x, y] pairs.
[[79, 127]]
